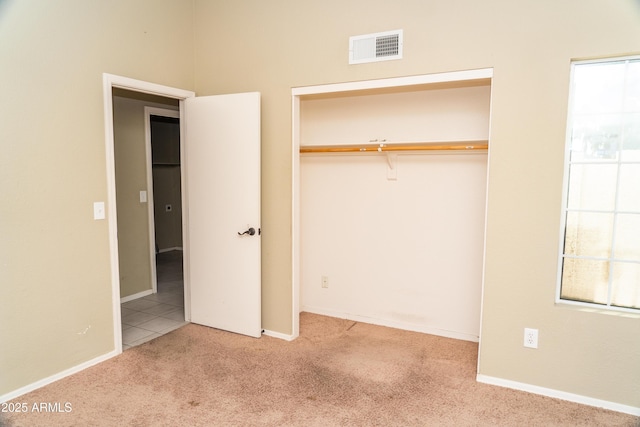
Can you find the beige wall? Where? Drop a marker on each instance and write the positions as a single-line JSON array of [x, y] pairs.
[[273, 46], [55, 298], [131, 177], [55, 281]]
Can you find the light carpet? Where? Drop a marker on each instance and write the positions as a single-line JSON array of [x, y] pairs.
[[337, 373]]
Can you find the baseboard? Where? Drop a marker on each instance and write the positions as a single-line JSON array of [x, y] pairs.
[[585, 400], [53, 378], [278, 335], [393, 324], [136, 296]]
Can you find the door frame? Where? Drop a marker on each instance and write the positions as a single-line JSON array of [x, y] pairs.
[[109, 82], [148, 112]]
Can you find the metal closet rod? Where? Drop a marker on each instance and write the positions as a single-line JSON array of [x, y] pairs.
[[384, 147]]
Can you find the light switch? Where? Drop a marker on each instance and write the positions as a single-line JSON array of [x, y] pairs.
[[143, 196], [98, 210]]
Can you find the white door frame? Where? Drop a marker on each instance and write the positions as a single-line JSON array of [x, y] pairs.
[[296, 95], [109, 82], [148, 112]]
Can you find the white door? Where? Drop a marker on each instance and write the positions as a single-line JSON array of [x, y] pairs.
[[222, 157]]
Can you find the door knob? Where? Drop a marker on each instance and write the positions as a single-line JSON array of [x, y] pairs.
[[251, 231]]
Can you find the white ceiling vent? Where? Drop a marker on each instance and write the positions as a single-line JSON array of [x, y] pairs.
[[375, 47]]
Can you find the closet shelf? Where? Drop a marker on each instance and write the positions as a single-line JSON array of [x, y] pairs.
[[479, 145]]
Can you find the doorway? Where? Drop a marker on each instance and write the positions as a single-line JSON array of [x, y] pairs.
[[164, 172], [211, 248], [164, 97], [147, 164]]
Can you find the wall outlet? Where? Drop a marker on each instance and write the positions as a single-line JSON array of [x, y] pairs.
[[530, 338], [325, 281]]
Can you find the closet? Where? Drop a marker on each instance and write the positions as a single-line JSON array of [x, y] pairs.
[[392, 194]]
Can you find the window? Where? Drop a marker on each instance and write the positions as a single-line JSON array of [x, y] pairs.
[[600, 261]]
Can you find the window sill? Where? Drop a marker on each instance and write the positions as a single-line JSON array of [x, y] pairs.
[[599, 309]]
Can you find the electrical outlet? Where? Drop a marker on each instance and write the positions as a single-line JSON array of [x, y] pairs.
[[530, 338], [325, 281]]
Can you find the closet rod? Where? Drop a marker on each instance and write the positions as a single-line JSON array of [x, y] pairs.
[[370, 148]]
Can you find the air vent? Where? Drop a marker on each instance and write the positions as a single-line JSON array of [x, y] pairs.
[[375, 47]]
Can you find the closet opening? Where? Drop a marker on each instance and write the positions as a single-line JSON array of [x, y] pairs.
[[390, 184]]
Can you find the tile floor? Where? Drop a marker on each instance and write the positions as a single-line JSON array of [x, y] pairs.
[[154, 315]]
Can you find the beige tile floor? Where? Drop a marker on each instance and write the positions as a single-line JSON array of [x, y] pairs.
[[154, 315]]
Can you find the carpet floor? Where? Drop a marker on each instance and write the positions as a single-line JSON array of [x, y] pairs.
[[337, 373]]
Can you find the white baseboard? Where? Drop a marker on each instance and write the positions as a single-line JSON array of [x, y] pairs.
[[136, 296], [393, 324], [53, 378], [563, 395], [278, 335]]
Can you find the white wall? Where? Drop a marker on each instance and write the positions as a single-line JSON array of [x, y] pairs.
[[403, 252], [407, 116]]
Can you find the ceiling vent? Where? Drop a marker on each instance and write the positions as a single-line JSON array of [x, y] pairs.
[[375, 47]]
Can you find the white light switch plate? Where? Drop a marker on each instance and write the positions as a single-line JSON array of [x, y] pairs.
[[98, 210], [143, 196]]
